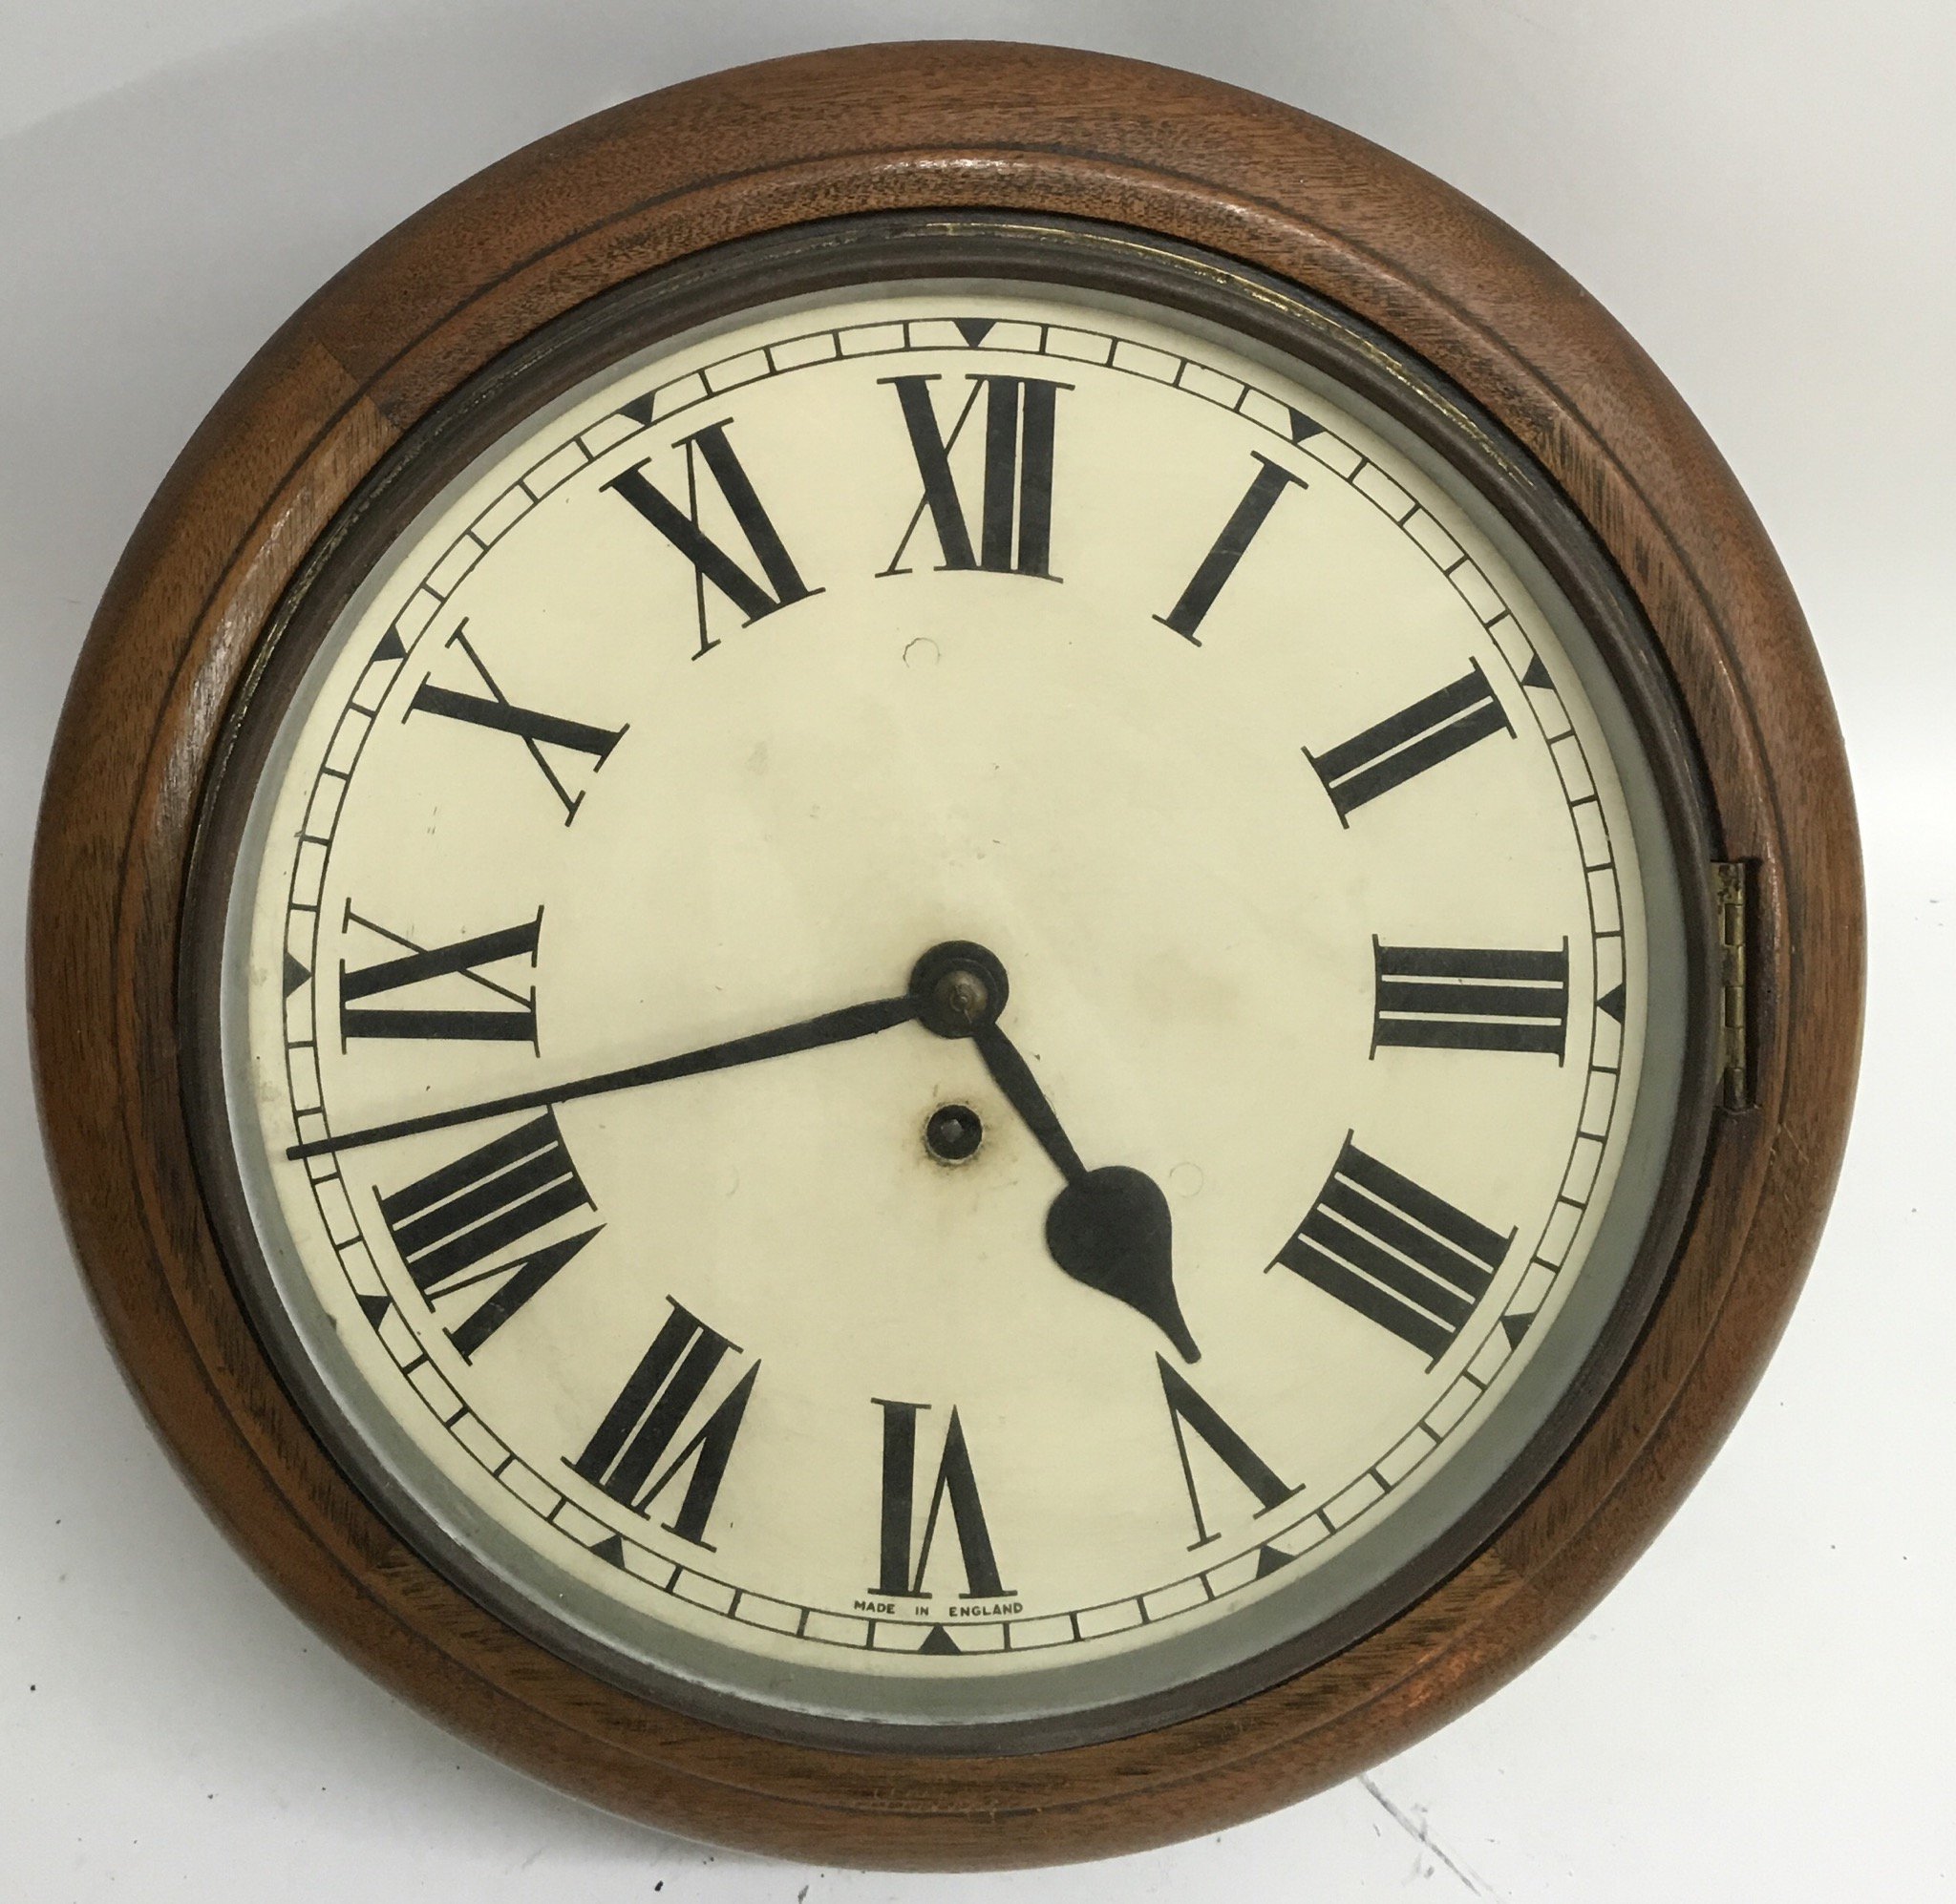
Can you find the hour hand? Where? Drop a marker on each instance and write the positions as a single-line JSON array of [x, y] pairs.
[[1107, 1228]]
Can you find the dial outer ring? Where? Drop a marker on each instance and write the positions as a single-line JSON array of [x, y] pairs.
[[759, 149]]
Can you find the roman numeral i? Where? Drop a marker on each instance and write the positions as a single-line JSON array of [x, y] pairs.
[[1015, 500]]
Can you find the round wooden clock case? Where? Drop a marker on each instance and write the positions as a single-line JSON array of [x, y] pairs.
[[937, 147]]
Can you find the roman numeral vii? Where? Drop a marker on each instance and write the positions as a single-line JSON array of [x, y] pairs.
[[627, 1457]]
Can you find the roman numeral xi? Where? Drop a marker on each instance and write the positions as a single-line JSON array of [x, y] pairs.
[[780, 584], [1395, 1253], [452, 1225], [1015, 496]]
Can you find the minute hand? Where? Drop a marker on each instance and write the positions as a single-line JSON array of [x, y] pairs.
[[833, 1027]]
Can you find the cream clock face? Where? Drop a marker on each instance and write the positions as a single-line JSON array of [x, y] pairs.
[[938, 1011]]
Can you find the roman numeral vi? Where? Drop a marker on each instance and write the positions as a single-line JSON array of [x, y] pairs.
[[955, 1484]]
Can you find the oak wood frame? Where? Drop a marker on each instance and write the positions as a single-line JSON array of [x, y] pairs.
[[760, 149]]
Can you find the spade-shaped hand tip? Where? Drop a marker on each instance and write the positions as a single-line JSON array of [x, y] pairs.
[[1111, 1230]]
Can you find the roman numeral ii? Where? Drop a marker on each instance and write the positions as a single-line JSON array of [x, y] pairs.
[[1433, 728]]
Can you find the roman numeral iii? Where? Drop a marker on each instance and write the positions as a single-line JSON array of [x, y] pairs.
[[450, 1225], [903, 1569], [628, 1455], [1397, 1254], [511, 1020], [779, 584], [1015, 500], [535, 729], [1469, 999], [1406, 744], [1188, 1413]]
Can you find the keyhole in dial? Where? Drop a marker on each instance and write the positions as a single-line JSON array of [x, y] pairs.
[[952, 1133]]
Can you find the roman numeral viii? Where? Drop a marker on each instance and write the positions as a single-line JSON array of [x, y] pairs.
[[495, 711], [512, 1021], [1432, 730], [1015, 501], [1399, 1255], [451, 1224], [899, 1574], [1188, 1413], [1470, 1000], [779, 584], [624, 1457]]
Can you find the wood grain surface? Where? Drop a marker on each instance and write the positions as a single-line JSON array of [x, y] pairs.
[[762, 149]]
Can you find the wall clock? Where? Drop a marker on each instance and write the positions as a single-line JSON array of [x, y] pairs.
[[947, 956]]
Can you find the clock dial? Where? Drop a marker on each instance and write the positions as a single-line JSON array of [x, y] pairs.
[[947, 1004]]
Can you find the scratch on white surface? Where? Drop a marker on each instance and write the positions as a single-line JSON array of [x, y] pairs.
[[1421, 1834]]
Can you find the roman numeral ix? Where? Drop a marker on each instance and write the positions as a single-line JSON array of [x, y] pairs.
[[899, 1574], [1189, 1413], [1397, 1254], [1432, 730], [1015, 501], [1469, 999], [449, 1224], [536, 730], [780, 585], [513, 1021], [1228, 549], [624, 1458]]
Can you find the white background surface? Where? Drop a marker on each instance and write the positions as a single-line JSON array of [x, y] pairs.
[[1765, 194]]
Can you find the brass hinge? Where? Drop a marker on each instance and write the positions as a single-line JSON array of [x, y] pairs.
[[1730, 884]]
